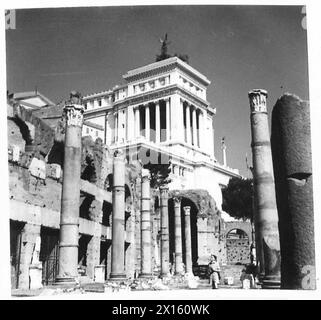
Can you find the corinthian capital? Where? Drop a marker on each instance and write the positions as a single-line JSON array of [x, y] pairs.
[[257, 99], [74, 114]]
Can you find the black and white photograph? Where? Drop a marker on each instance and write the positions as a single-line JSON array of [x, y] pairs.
[[153, 151]]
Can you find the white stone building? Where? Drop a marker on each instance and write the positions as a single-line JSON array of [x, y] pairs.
[[163, 107]]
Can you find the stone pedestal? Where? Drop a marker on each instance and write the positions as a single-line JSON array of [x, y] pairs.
[[265, 215], [118, 218], [179, 268], [35, 276], [146, 238], [188, 241], [291, 148], [69, 218], [164, 232], [99, 273]]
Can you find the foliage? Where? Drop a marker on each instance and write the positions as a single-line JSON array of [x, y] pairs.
[[159, 173], [238, 198]]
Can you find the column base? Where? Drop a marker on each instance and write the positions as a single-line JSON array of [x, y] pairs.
[[117, 276], [65, 281], [145, 276], [165, 275], [271, 282]]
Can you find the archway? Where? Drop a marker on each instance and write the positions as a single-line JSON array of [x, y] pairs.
[[185, 202]]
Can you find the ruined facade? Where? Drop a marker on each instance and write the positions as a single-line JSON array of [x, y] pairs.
[[125, 229]]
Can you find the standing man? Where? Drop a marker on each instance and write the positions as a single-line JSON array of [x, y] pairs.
[[214, 271]]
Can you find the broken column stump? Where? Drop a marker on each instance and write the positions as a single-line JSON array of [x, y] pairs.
[[291, 149]]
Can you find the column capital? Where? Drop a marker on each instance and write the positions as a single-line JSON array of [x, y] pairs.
[[163, 190], [118, 154], [145, 175], [74, 114], [177, 201], [258, 99], [187, 210]]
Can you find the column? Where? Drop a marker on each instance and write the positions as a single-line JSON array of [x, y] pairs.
[[291, 150], [164, 232], [69, 217], [168, 127], [188, 124], [198, 129], [266, 215], [118, 218], [157, 121], [194, 128], [93, 248], [29, 235], [188, 240], [130, 125], [147, 122], [116, 127], [178, 236], [146, 254], [137, 122]]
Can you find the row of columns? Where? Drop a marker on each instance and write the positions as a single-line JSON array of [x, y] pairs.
[[69, 219], [193, 126], [158, 111], [128, 125]]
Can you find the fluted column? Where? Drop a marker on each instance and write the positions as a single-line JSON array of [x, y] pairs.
[[194, 128], [157, 122], [178, 236], [168, 127], [147, 122], [69, 218], [188, 240], [265, 215], [146, 238], [137, 122], [188, 124], [118, 218]]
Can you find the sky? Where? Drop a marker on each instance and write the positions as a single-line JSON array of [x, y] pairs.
[[238, 48]]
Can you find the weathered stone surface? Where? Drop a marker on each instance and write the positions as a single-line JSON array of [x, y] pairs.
[[291, 147], [265, 211]]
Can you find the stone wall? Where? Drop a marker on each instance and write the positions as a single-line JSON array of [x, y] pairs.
[[238, 251], [35, 183]]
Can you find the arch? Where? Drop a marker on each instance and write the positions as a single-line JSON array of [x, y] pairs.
[[245, 226], [238, 238], [237, 234], [203, 201]]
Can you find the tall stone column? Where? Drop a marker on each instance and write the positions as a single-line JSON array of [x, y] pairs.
[[146, 238], [157, 122], [69, 217], [188, 124], [194, 127], [178, 236], [188, 240], [168, 127], [164, 231], [147, 122], [266, 215], [118, 218], [291, 149]]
